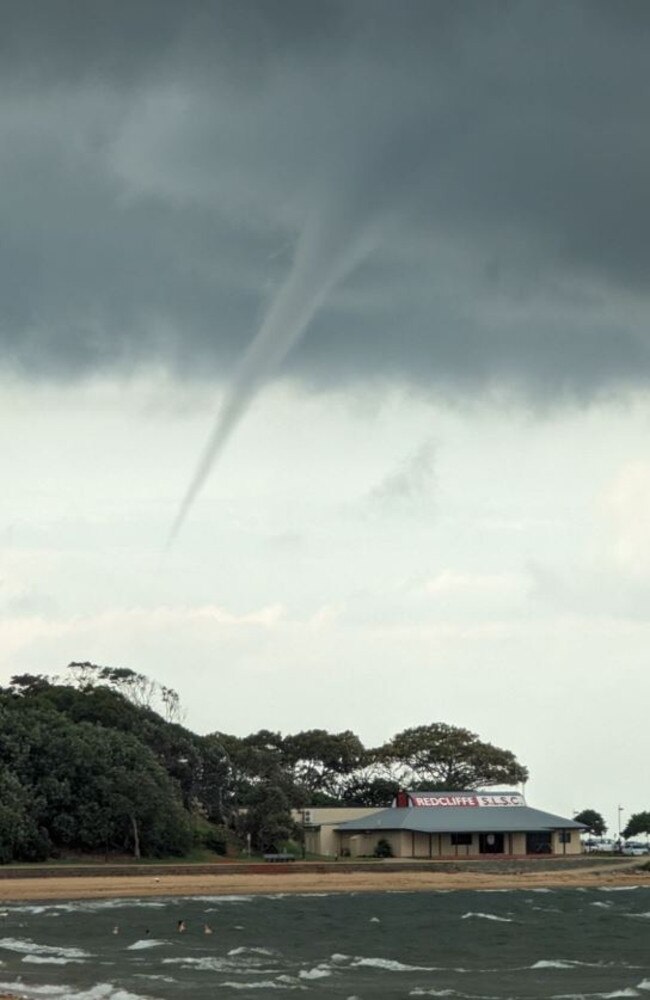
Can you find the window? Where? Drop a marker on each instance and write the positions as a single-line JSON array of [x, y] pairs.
[[565, 836], [461, 839]]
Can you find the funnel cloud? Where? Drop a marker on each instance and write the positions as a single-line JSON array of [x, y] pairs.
[[325, 254]]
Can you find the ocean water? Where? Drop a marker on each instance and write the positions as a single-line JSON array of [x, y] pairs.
[[560, 944]]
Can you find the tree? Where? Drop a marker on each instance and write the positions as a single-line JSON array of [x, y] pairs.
[[593, 821], [254, 761], [79, 784], [378, 792], [443, 757], [19, 833], [320, 760], [213, 780], [268, 819], [637, 823], [137, 688]]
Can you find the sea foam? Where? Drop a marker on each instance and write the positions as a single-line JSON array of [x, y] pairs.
[[391, 965], [99, 991], [145, 943], [31, 948], [264, 984], [320, 972], [52, 960]]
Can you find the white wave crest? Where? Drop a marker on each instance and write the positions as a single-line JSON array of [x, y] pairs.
[[263, 984], [565, 963], [553, 963], [52, 960], [87, 906], [36, 991], [250, 951], [100, 991], [154, 978], [217, 899], [26, 946], [628, 991], [644, 985], [320, 972], [252, 964], [486, 916], [205, 963], [391, 965], [145, 943], [617, 888], [420, 991]]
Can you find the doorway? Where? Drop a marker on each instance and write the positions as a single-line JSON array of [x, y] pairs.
[[490, 843], [539, 842]]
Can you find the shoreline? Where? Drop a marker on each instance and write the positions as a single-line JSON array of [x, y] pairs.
[[61, 888]]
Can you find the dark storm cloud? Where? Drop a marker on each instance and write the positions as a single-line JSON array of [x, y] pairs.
[[159, 162]]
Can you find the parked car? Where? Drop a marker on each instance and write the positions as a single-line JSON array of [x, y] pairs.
[[604, 844], [634, 848]]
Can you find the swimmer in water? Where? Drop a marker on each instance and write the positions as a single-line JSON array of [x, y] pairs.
[[116, 929], [207, 929], [180, 927]]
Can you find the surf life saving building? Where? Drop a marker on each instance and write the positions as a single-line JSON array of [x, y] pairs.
[[444, 825]]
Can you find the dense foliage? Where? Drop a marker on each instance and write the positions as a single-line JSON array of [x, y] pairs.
[[637, 823], [100, 763], [593, 821], [83, 768]]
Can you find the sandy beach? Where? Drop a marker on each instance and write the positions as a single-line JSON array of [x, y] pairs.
[[337, 880]]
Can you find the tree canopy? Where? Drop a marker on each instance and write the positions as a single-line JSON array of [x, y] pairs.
[[637, 823], [444, 758], [593, 821]]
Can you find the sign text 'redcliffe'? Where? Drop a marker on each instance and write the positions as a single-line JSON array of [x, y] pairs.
[[478, 799]]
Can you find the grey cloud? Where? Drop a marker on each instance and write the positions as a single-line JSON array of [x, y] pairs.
[[602, 592], [157, 159], [29, 605], [411, 481]]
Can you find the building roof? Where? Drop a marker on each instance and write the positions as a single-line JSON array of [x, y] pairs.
[[461, 819]]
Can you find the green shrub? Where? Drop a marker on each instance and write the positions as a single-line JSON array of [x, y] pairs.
[[291, 847], [210, 836], [216, 839], [383, 849]]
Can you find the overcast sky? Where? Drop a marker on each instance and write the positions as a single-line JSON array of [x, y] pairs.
[[433, 500]]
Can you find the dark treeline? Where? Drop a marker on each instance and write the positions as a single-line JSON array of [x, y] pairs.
[[99, 762]]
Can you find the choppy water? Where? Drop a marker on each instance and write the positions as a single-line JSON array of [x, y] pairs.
[[563, 944]]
